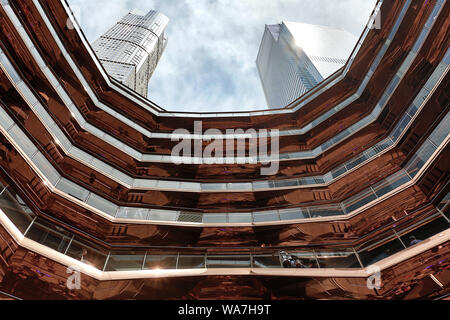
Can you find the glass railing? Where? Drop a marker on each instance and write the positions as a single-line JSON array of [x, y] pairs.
[[149, 158], [129, 182], [395, 240], [368, 253], [89, 199], [103, 205]]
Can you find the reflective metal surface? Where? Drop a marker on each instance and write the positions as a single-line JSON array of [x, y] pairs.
[[363, 169]]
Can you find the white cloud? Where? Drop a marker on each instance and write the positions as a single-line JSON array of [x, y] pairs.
[[209, 63]]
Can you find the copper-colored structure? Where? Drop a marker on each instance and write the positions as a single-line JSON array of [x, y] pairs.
[[357, 210]]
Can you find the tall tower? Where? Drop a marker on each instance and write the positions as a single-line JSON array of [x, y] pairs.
[[294, 57], [131, 49]]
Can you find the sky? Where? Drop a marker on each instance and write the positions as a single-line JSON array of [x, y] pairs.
[[209, 62]]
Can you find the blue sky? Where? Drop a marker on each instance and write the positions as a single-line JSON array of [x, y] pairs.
[[209, 62]]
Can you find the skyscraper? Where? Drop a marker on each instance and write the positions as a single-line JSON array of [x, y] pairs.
[[294, 57], [131, 49]]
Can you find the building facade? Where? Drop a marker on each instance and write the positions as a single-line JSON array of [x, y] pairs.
[[132, 48], [359, 208], [294, 57]]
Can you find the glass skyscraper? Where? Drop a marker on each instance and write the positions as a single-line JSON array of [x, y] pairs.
[[131, 49], [294, 57]]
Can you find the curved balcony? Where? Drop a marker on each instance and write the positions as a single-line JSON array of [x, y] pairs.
[[91, 186], [383, 250], [230, 187], [431, 84], [285, 157], [82, 197]]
